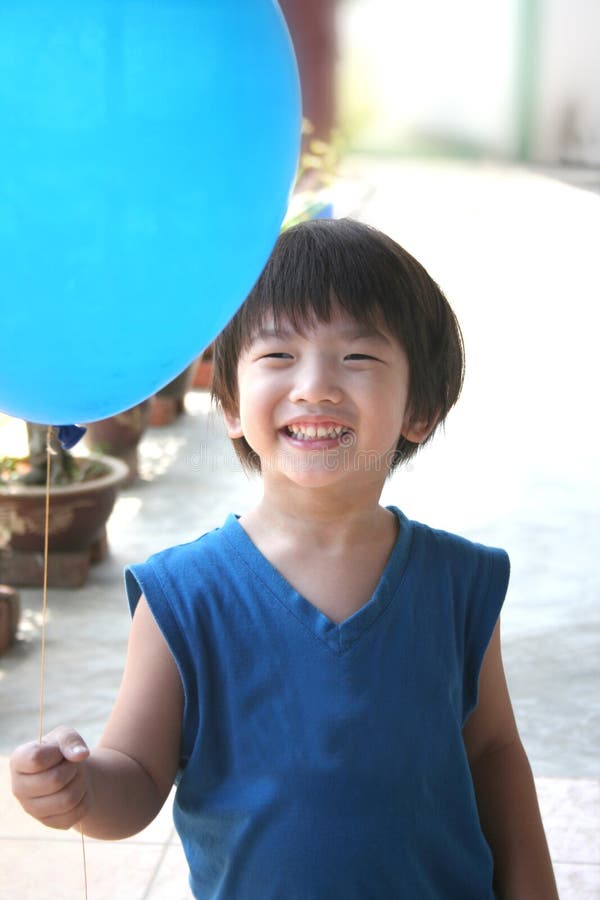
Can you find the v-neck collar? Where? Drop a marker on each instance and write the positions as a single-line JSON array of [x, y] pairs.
[[338, 636]]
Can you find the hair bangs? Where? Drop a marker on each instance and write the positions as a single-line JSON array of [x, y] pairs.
[[309, 276]]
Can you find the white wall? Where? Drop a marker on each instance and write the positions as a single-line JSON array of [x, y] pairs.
[[428, 68], [567, 121], [434, 70]]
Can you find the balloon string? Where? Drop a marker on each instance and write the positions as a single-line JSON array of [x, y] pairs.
[[85, 891], [45, 582], [44, 620]]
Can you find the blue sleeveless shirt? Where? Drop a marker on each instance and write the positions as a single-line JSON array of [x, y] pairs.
[[323, 761]]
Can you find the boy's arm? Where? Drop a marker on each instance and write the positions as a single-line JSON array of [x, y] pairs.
[[120, 787], [139, 748], [505, 790]]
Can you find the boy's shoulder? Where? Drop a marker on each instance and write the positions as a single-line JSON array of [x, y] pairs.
[[436, 549], [180, 570], [213, 543]]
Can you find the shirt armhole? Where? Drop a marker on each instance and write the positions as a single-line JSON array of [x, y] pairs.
[[483, 611], [145, 579]]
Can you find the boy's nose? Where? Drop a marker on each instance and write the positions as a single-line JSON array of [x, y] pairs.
[[316, 384]]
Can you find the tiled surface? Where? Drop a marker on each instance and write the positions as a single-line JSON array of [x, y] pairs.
[[170, 881], [38, 863], [571, 814], [120, 871], [571, 810], [516, 253], [577, 882]]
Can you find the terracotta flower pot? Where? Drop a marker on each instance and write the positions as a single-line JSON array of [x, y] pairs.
[[120, 436], [204, 370], [9, 616], [203, 376], [77, 527], [167, 403]]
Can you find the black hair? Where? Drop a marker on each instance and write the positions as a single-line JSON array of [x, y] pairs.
[[318, 265]]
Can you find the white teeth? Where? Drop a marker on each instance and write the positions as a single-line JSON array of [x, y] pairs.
[[306, 432]]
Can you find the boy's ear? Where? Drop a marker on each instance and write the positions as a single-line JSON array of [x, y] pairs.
[[417, 430], [233, 425]]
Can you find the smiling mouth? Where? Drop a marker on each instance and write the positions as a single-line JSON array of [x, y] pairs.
[[318, 432]]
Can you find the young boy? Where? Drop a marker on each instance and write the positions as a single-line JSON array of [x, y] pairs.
[[321, 676]]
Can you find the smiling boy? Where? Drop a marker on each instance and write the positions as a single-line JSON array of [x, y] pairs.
[[322, 676]]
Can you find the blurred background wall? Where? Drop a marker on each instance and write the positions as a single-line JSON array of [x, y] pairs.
[[514, 79], [567, 100]]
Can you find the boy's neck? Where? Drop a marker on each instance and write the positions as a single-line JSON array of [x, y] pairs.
[[330, 549], [317, 516]]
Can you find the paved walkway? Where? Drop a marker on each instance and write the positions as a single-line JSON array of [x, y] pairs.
[[516, 254]]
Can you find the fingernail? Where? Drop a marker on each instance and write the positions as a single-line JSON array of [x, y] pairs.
[[79, 748]]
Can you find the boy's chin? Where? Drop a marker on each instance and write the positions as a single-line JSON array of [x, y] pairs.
[[321, 470]]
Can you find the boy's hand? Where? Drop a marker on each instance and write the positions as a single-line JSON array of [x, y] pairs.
[[49, 779]]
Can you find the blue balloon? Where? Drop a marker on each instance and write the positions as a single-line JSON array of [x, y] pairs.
[[147, 152]]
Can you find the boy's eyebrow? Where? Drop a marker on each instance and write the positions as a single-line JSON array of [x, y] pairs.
[[356, 332], [265, 334], [366, 334]]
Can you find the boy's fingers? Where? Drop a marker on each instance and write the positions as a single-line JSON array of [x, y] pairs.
[[31, 758], [62, 809], [70, 818], [45, 783], [49, 778], [61, 743], [70, 743]]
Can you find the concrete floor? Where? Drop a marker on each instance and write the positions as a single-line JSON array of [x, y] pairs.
[[516, 253]]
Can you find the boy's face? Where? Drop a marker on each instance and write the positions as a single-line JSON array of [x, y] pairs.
[[324, 406]]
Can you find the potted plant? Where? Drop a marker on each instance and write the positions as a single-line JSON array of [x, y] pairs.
[[120, 436], [203, 374], [311, 198], [167, 403], [10, 611], [83, 491]]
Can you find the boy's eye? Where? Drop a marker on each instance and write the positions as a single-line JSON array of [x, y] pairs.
[[280, 355], [359, 356]]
